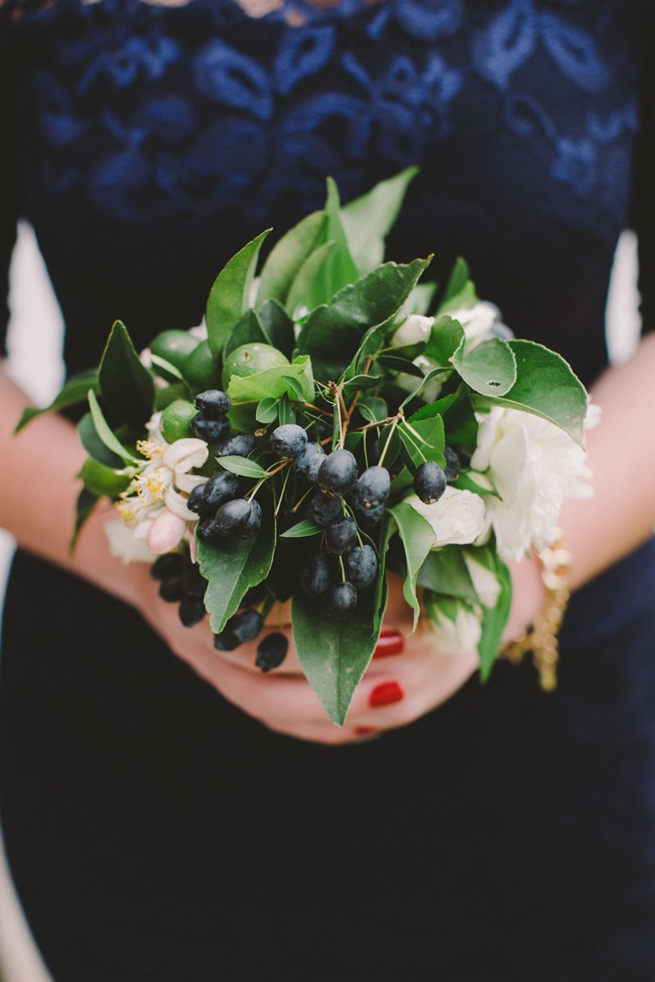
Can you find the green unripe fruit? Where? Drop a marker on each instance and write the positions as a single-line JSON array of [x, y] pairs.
[[173, 346], [249, 359], [201, 368], [175, 420]]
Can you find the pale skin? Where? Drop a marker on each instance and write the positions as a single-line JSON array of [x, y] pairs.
[[597, 532]]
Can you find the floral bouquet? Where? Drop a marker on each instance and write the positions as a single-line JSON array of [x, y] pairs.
[[321, 429]]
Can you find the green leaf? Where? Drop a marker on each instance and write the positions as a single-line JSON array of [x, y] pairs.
[[419, 300], [418, 539], [242, 466], [93, 445], [302, 530], [467, 482], [460, 291], [437, 408], [126, 385], [444, 571], [334, 654], [445, 338], [489, 368], [74, 391], [277, 326], [494, 619], [86, 502], [166, 367], [285, 410], [295, 380], [368, 219], [372, 408], [424, 440], [267, 410], [229, 296], [546, 386], [248, 329], [232, 568], [106, 434], [308, 290], [287, 257], [101, 480], [332, 333], [395, 364], [341, 268]]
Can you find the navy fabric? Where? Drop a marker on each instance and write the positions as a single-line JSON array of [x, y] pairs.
[[155, 832]]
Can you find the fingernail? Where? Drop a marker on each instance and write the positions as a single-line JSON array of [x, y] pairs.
[[385, 693], [365, 730], [391, 642]]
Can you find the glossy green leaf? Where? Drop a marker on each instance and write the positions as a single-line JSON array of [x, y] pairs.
[[74, 391], [489, 368], [368, 219], [445, 572], [308, 288], [274, 382], [247, 330], [278, 327], [418, 539], [424, 440], [126, 384], [332, 334], [445, 338], [267, 410], [546, 386], [460, 291], [372, 408], [340, 270], [106, 434], [101, 480], [93, 445], [302, 529], [86, 502], [287, 257], [494, 619], [231, 568], [242, 466], [334, 654], [230, 293]]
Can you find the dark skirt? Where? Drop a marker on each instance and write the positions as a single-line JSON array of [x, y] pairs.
[[154, 832]]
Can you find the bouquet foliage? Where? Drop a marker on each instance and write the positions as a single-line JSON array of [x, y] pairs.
[[324, 429]]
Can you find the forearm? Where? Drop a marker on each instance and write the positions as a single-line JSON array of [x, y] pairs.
[[40, 490]]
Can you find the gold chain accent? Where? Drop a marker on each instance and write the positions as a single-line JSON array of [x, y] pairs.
[[541, 637]]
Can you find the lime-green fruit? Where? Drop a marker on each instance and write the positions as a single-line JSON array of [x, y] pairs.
[[174, 346], [248, 359], [102, 480], [175, 420], [201, 369]]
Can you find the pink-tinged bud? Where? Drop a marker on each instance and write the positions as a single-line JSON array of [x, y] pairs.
[[166, 532]]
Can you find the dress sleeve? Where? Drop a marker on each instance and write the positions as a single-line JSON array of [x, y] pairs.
[[643, 198]]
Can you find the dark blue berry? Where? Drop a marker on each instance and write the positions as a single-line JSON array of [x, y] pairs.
[[193, 582], [429, 482], [236, 446], [271, 651], [315, 577], [372, 487], [338, 472], [324, 510], [213, 403], [191, 611], [452, 464], [340, 536], [361, 566], [342, 600], [313, 467], [288, 440], [254, 522], [196, 501], [301, 462], [169, 564], [226, 641], [171, 589], [210, 430], [243, 627], [220, 488], [368, 517], [232, 518], [206, 530]]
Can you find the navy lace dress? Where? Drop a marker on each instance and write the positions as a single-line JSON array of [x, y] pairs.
[[155, 832]]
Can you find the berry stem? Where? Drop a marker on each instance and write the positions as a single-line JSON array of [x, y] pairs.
[[394, 424], [281, 498], [300, 501], [343, 569]]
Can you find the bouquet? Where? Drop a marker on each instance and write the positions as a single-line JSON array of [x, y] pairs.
[[322, 428]]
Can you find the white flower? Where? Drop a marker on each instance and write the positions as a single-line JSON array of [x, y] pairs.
[[481, 322], [124, 544], [413, 330], [410, 383], [458, 517], [533, 465], [455, 625], [485, 583]]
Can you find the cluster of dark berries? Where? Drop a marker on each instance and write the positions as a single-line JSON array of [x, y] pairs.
[[430, 480], [181, 582], [211, 422], [245, 626], [342, 498]]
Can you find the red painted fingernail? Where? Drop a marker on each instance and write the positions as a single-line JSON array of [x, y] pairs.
[[391, 642], [385, 693], [365, 730]]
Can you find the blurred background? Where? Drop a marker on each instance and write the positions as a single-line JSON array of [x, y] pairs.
[[35, 344]]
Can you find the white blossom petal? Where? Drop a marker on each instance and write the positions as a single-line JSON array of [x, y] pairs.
[[458, 517], [184, 454], [166, 532]]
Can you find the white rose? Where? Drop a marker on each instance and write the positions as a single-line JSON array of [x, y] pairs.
[[481, 322], [416, 328], [456, 626], [533, 465], [458, 517]]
